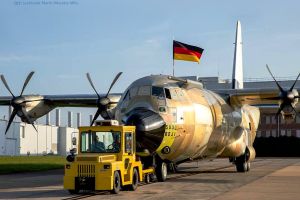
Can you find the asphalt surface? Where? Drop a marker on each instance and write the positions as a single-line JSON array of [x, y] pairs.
[[269, 178]]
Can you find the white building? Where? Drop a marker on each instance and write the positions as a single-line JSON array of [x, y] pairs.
[[22, 139]]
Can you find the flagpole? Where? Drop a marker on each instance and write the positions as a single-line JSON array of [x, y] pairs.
[[173, 57], [173, 65]]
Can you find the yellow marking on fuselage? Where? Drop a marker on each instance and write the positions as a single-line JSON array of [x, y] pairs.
[[169, 136]]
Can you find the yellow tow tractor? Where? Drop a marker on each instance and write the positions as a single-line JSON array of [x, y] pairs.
[[106, 160]]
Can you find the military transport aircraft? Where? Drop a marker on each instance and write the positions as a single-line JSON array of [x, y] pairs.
[[176, 119]]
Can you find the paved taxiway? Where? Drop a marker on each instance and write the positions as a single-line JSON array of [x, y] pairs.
[[271, 178]]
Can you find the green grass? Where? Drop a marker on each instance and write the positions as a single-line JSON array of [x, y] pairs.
[[16, 164]]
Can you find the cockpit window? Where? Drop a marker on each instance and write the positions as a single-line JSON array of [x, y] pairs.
[[168, 94], [158, 92], [133, 92], [127, 96], [144, 91]]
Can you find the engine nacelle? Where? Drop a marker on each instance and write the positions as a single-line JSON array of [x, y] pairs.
[[288, 114]]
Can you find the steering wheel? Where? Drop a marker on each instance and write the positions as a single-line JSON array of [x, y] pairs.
[[110, 147]]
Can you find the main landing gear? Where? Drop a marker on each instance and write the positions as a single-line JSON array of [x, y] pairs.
[[242, 162]]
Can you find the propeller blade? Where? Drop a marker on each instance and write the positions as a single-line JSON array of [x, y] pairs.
[[96, 116], [297, 114], [114, 81], [6, 85], [91, 82], [26, 82], [108, 114], [294, 83], [279, 110], [34, 127], [280, 88], [13, 114]]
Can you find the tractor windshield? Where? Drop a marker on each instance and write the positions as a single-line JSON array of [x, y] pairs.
[[100, 142]]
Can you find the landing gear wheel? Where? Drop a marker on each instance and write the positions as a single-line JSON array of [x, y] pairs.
[[241, 166], [172, 167], [161, 171], [248, 166], [135, 180], [147, 178], [116, 183]]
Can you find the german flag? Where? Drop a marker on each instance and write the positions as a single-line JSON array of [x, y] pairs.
[[186, 52]]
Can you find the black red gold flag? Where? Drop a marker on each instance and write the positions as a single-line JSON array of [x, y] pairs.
[[182, 51]]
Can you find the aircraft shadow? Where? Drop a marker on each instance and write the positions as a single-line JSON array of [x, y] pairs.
[[206, 172], [195, 180]]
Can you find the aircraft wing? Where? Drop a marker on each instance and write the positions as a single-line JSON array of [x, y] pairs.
[[73, 100], [286, 100], [79, 100], [257, 97]]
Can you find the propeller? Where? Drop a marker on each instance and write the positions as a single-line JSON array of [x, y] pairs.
[[288, 97], [102, 102], [16, 102]]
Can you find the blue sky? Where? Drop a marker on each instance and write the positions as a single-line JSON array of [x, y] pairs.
[[63, 42]]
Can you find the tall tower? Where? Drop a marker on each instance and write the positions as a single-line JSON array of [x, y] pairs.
[[237, 75]]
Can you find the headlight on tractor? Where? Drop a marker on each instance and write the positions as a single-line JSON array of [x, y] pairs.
[[106, 166]]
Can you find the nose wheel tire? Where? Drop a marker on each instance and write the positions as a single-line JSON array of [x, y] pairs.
[[116, 183], [248, 166], [147, 178], [241, 166], [161, 171]]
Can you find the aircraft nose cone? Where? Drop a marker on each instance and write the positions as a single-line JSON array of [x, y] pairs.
[[150, 128]]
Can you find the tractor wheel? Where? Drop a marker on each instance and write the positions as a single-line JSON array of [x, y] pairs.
[[116, 183], [135, 180]]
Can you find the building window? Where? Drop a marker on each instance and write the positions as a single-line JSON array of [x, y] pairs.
[[298, 133], [282, 133], [273, 133], [23, 131], [274, 120], [298, 119], [267, 119], [268, 133], [289, 133], [263, 120]]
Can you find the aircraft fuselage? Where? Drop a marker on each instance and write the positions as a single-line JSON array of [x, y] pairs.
[[184, 121]]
